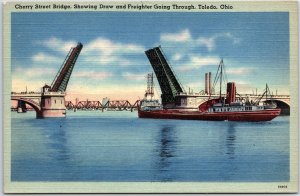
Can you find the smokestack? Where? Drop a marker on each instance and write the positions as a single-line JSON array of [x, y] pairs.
[[206, 83], [209, 83], [231, 91]]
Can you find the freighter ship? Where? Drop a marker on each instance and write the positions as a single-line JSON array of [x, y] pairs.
[[223, 108], [214, 110]]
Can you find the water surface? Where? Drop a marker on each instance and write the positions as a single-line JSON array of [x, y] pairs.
[[118, 146]]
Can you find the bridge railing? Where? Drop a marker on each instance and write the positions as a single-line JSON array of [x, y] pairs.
[[26, 93], [54, 93]]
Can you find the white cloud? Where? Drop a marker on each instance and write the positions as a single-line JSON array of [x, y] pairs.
[[93, 74], [106, 46], [196, 62], [185, 37], [240, 71], [177, 57], [56, 44], [103, 51], [100, 51], [134, 76], [100, 44], [35, 72], [182, 36], [202, 61], [45, 58], [210, 42], [100, 59]]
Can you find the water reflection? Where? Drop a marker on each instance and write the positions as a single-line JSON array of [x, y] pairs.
[[230, 141], [57, 143], [166, 150]]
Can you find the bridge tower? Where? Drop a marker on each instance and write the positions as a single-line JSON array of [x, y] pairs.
[[53, 97], [169, 85], [150, 84]]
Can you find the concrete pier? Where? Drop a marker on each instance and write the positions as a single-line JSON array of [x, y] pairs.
[[52, 103]]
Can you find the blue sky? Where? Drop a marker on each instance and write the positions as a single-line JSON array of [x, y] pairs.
[[254, 46]]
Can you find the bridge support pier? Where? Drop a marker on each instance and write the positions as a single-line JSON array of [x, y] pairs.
[[39, 114], [53, 105], [21, 107]]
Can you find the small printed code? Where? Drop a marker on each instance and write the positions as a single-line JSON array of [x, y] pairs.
[[282, 186]]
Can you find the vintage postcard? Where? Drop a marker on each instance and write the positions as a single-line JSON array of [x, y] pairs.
[[150, 97]]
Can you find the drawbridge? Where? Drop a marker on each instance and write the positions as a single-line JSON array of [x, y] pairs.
[[51, 101], [62, 77], [169, 84]]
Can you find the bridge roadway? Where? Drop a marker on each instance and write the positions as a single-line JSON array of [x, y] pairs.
[[34, 100], [46, 104], [34, 96]]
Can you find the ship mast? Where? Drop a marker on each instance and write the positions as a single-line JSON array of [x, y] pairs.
[[265, 94], [267, 91], [221, 74], [219, 78]]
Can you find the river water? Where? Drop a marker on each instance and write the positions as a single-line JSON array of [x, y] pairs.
[[120, 147]]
